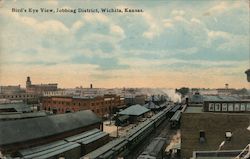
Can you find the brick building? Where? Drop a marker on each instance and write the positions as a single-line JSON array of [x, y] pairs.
[[101, 105], [220, 119], [39, 88]]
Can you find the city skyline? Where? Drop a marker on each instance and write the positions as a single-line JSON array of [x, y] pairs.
[[174, 44]]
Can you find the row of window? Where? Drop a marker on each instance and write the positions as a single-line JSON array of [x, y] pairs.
[[79, 104], [17, 96], [229, 107]]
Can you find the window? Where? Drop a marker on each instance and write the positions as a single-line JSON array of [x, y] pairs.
[[237, 107], [248, 106], [211, 107], [228, 135], [217, 106], [242, 107], [224, 107], [202, 136], [230, 107]]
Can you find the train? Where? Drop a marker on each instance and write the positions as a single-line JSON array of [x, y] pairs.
[[155, 150], [175, 120], [122, 146]]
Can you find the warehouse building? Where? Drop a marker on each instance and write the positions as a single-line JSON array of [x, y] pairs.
[[221, 123], [103, 106], [21, 134]]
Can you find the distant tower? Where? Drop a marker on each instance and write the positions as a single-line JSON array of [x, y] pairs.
[[248, 75], [91, 86], [28, 82], [226, 86]]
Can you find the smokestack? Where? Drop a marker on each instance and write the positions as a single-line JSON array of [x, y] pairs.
[[248, 75], [187, 101]]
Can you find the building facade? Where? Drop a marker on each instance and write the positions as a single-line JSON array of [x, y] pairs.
[[101, 105], [10, 89], [39, 88], [221, 123]]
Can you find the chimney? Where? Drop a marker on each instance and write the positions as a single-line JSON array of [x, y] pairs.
[[187, 101]]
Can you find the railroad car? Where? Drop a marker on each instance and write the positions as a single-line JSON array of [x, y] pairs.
[[155, 150], [175, 120]]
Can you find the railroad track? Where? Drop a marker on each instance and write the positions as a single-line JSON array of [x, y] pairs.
[[162, 131]]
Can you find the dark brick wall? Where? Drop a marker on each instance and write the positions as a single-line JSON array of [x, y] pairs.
[[215, 125]]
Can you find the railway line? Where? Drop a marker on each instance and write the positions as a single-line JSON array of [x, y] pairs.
[[129, 146], [163, 131]]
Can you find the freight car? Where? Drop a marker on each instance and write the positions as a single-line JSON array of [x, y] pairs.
[[155, 150], [175, 120], [89, 140]]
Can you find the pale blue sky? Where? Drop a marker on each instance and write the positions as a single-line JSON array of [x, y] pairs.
[[170, 44]]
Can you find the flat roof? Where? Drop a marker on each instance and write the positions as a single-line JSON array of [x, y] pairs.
[[221, 98], [35, 128], [194, 110]]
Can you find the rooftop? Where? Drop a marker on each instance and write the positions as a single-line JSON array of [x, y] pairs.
[[151, 105], [49, 150], [12, 116], [135, 110], [34, 128], [221, 98], [194, 110], [18, 107]]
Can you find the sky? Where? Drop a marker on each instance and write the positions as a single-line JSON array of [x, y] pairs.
[[170, 44]]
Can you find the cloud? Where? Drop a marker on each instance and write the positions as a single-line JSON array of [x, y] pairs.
[[154, 29], [93, 18], [77, 25], [52, 2], [117, 30], [173, 41], [52, 26]]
